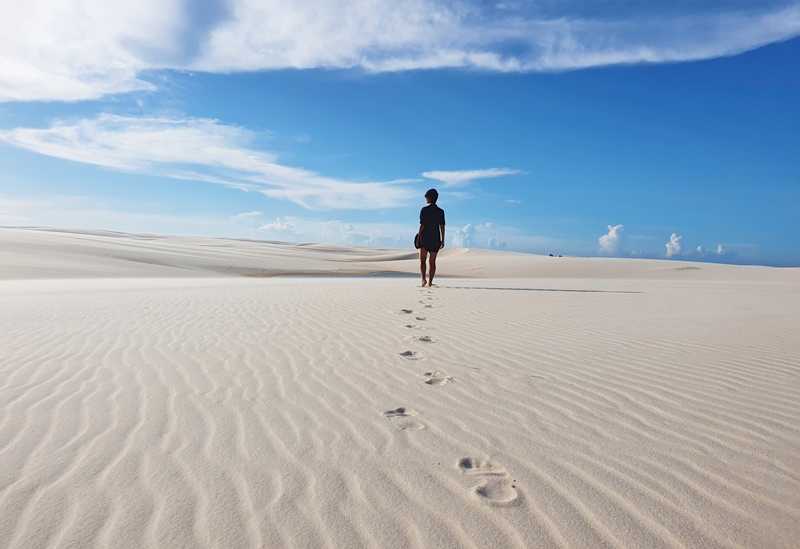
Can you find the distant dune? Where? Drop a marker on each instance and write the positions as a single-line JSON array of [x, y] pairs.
[[34, 253]]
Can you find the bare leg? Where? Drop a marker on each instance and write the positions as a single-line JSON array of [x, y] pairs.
[[433, 268], [423, 255]]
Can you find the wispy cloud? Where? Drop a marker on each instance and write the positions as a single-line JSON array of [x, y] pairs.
[[201, 150], [465, 177], [247, 217], [72, 50]]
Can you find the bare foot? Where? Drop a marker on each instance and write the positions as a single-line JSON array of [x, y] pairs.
[[424, 282]]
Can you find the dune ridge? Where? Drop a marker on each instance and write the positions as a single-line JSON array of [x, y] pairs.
[[230, 411], [42, 253]]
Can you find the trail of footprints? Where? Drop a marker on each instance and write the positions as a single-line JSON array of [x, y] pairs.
[[496, 486]]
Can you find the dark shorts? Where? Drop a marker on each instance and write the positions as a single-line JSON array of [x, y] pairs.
[[430, 245]]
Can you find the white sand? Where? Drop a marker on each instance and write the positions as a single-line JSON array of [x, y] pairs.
[[152, 396]]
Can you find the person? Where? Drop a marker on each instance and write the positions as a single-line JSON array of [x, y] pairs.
[[431, 236]]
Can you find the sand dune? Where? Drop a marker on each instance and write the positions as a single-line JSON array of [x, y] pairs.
[[48, 253], [151, 398]]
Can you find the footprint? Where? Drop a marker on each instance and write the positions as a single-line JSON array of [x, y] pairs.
[[412, 327], [497, 488], [406, 311], [497, 492], [426, 339], [421, 318], [436, 379], [402, 411], [401, 417], [428, 306], [412, 355], [472, 466]]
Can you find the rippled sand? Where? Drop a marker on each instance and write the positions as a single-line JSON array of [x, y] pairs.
[[151, 398]]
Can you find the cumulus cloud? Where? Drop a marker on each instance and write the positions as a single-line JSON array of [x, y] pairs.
[[483, 235], [675, 251], [463, 237], [720, 253], [465, 177], [611, 242], [202, 150], [83, 49], [674, 245]]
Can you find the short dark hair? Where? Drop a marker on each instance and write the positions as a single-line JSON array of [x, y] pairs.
[[433, 195]]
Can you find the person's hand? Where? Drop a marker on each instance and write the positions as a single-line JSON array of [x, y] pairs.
[[441, 245]]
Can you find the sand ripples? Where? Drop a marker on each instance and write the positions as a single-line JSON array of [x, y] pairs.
[[306, 413]]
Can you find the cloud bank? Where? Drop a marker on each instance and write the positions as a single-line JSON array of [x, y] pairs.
[[294, 229], [69, 50], [675, 251], [201, 150]]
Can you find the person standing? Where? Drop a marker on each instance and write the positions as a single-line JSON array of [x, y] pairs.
[[431, 236]]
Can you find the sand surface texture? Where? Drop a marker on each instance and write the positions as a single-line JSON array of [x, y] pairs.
[[174, 392]]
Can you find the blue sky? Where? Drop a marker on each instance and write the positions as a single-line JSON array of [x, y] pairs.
[[620, 128]]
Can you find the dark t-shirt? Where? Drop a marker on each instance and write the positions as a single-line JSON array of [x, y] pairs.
[[430, 217]]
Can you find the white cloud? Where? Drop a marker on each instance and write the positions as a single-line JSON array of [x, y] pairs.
[[720, 253], [294, 229], [286, 225], [71, 50], [465, 177], [611, 242], [83, 49], [719, 250], [484, 235], [201, 150], [674, 245], [463, 237], [247, 218]]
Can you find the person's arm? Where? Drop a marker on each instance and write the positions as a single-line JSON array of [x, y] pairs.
[[441, 228]]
